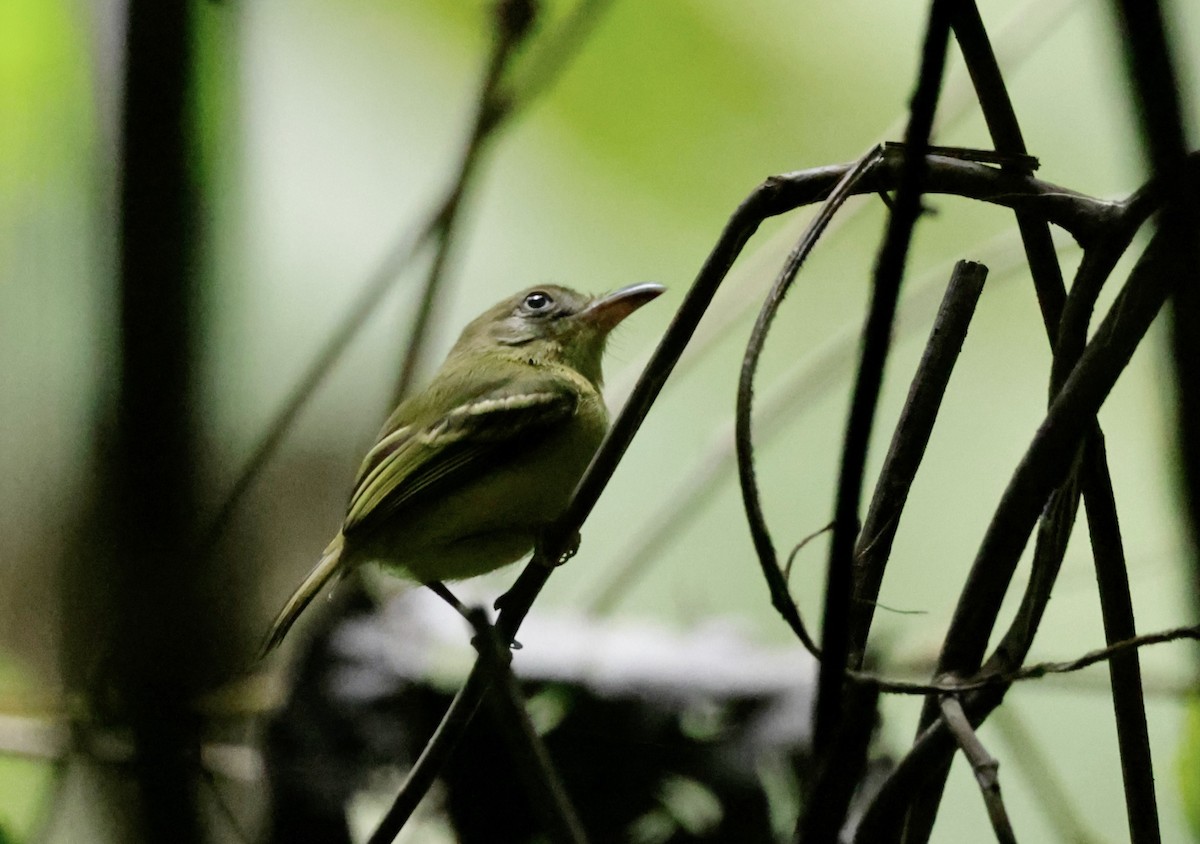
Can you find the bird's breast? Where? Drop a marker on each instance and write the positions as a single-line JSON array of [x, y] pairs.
[[495, 518]]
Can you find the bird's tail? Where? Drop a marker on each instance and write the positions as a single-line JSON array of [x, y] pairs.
[[325, 570]]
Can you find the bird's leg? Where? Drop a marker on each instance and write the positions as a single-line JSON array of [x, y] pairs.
[[472, 616], [438, 588]]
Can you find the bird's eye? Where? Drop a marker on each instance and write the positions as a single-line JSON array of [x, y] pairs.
[[538, 302]]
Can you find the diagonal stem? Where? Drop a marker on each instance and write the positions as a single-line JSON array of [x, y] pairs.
[[907, 449], [984, 766]]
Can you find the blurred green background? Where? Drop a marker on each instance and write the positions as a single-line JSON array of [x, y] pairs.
[[326, 129]]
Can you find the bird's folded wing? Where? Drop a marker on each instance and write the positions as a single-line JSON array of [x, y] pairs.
[[460, 444]]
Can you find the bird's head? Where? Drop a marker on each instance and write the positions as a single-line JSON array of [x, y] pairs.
[[557, 323]]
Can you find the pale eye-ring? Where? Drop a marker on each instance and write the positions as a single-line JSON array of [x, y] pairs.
[[538, 301]]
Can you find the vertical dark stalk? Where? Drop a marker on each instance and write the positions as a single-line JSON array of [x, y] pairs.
[[1006, 134], [1124, 670], [827, 803], [889, 270], [149, 489], [1148, 57]]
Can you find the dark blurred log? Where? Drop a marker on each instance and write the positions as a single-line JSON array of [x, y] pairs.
[[131, 626]]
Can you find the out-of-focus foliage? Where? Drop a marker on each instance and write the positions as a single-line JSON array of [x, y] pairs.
[[1189, 768], [326, 128], [49, 174]]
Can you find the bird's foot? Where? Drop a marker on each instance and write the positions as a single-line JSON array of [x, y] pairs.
[[569, 551]]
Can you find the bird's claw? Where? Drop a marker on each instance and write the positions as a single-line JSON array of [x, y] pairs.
[[571, 549]]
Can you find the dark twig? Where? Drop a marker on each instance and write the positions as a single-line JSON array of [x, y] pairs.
[[438, 749], [1049, 455], [983, 695], [800, 546], [442, 591], [1042, 669], [1148, 56], [139, 576], [911, 436], [544, 787], [1085, 217], [984, 766], [462, 709], [1006, 134], [990, 680], [1069, 336], [885, 292], [1108, 553]]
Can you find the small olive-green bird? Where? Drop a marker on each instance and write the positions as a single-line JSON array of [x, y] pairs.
[[467, 473]]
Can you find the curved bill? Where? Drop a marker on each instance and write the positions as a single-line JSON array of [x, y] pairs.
[[608, 310]]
